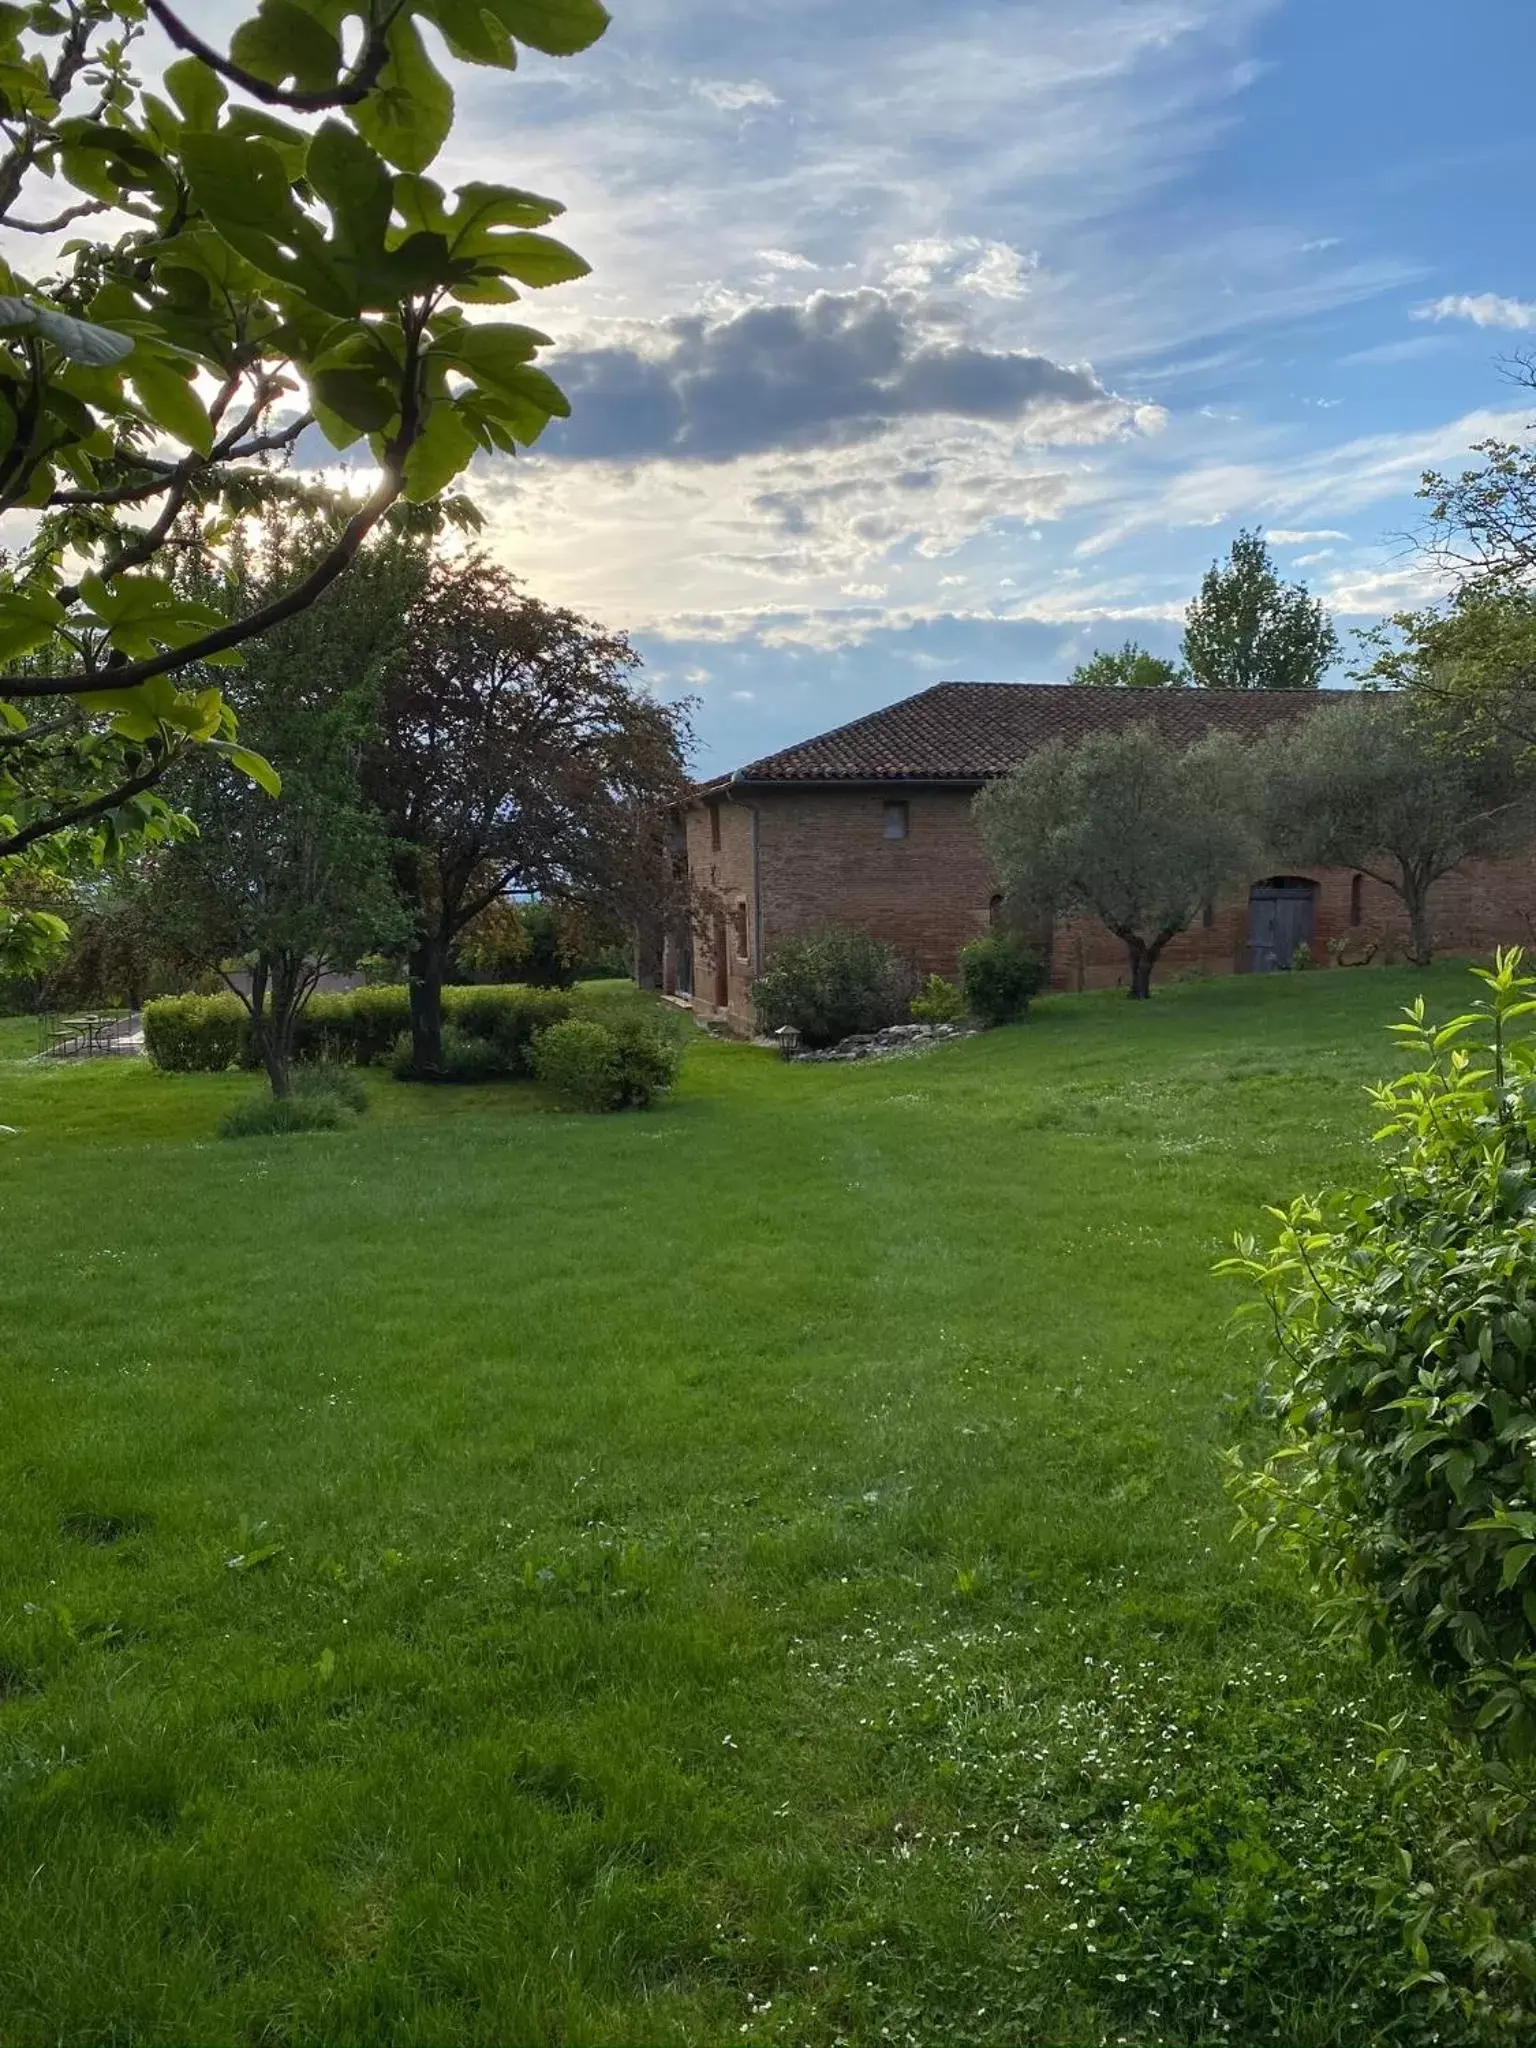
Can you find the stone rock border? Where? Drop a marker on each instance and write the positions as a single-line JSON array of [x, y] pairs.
[[896, 1041]]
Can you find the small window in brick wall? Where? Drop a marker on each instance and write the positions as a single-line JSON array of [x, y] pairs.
[[714, 828], [896, 821], [1356, 891], [739, 920], [1208, 916]]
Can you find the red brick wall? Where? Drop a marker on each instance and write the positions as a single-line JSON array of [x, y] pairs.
[[823, 859]]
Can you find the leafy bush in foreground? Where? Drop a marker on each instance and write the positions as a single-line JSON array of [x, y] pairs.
[[940, 1002], [831, 985], [1405, 1320], [1000, 977], [622, 1065]]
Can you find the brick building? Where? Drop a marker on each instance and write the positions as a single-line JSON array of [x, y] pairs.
[[870, 826]]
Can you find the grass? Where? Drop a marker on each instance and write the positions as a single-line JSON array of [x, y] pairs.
[[756, 1571]]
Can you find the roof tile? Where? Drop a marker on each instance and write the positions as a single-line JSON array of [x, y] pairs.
[[969, 732]]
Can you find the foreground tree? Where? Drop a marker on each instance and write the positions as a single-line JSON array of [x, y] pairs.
[[1249, 631], [260, 275], [274, 894], [1389, 786], [1127, 828], [1130, 667], [1470, 661], [514, 756]]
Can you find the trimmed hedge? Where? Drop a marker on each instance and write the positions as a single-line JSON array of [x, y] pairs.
[[195, 1034], [205, 1034]]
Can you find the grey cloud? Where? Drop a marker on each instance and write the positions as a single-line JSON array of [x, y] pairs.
[[831, 371]]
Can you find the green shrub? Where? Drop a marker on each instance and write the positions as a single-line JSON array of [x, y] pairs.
[[324, 1080], [940, 1002], [831, 985], [277, 1116], [1000, 976], [203, 1034], [624, 1064], [195, 1034], [648, 1060], [510, 1018], [578, 1061], [1405, 1319], [466, 1059]]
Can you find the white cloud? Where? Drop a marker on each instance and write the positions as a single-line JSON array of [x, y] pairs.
[[732, 97], [1483, 309], [1301, 536]]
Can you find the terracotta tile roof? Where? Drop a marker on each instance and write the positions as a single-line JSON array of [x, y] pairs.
[[968, 732]]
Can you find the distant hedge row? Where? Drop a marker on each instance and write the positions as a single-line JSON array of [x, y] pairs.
[[206, 1034]]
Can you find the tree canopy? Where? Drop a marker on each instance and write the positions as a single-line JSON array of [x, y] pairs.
[[514, 755], [1125, 827], [289, 889], [1390, 786], [1130, 667], [260, 250], [1249, 631]]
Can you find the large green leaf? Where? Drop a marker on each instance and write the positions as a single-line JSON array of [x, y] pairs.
[[557, 27], [197, 90], [352, 181], [472, 32], [171, 402], [284, 42], [437, 457], [361, 398], [27, 619], [409, 113], [81, 340], [534, 259]]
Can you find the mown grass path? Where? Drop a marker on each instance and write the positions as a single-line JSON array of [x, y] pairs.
[[496, 1576]]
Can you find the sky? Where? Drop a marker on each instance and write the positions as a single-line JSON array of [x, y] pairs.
[[955, 340]]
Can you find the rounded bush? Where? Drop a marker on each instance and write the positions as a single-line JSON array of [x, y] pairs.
[[1000, 977], [939, 1003], [624, 1064], [831, 985], [578, 1061]]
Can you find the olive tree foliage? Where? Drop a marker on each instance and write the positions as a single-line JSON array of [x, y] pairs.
[[260, 248], [1125, 827], [1249, 631], [1130, 667], [1386, 784]]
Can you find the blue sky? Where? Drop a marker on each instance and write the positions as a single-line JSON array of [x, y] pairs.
[[956, 340]]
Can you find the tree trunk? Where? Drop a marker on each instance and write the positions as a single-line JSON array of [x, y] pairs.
[[1421, 940], [426, 969], [287, 981], [256, 1004], [1142, 960]]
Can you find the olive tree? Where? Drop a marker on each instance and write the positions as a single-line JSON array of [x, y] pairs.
[[1390, 786], [1126, 827], [261, 250]]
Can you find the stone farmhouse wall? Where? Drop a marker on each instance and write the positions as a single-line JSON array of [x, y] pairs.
[[821, 857]]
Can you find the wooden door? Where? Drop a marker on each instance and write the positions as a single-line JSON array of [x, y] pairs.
[[1282, 915], [722, 966]]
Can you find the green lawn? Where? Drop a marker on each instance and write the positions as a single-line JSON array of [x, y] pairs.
[[756, 1571]]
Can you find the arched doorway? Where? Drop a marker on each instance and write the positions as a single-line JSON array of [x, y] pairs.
[[1282, 915]]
